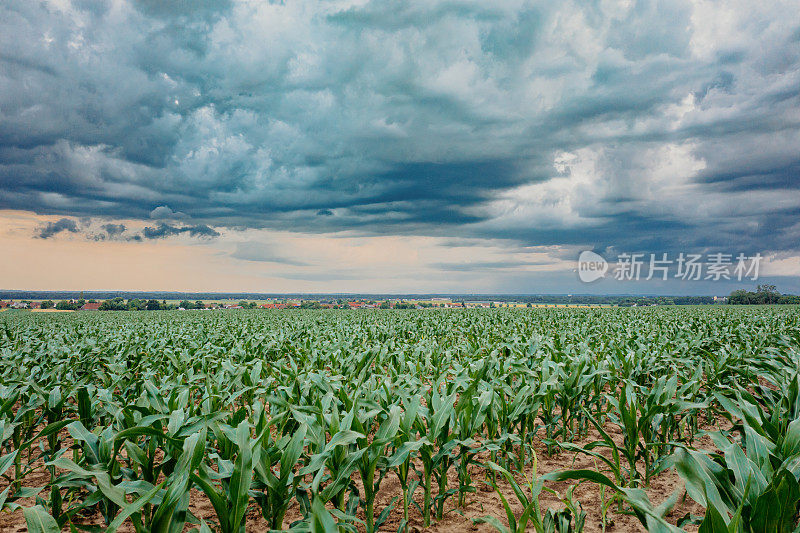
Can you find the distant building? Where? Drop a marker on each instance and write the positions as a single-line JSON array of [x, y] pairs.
[[91, 306]]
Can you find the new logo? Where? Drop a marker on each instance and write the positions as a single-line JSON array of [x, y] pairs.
[[591, 266]]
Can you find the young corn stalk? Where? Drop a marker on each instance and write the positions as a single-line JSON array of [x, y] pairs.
[[531, 515], [433, 423], [372, 457], [405, 445], [470, 413], [230, 500], [334, 461], [274, 477]]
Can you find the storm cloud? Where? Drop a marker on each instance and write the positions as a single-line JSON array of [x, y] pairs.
[[167, 230], [616, 125], [114, 230], [52, 228]]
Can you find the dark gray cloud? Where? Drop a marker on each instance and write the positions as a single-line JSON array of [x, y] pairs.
[[114, 230], [110, 231], [168, 230], [52, 228], [657, 125]]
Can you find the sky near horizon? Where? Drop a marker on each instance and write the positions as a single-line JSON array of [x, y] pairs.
[[388, 146]]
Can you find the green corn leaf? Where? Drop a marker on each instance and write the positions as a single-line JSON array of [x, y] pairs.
[[177, 487], [50, 429], [203, 481], [39, 520], [7, 460], [133, 507], [291, 454], [109, 490], [242, 477], [791, 441], [492, 521], [321, 519]]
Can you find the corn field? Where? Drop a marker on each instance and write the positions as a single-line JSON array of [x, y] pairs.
[[120, 421]]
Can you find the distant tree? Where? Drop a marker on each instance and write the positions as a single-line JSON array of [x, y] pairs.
[[386, 305], [47, 304], [199, 305], [67, 305], [186, 304], [768, 294], [738, 297], [114, 304], [137, 304], [764, 294], [153, 305]]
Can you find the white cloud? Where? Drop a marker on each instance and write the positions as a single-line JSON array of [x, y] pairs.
[[164, 212]]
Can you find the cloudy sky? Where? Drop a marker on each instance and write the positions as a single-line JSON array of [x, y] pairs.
[[394, 146]]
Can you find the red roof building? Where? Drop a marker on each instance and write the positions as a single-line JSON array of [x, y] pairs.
[[90, 306]]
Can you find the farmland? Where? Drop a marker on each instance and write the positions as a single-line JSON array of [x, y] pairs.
[[506, 419]]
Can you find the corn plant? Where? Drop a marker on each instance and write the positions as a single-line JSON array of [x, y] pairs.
[[531, 513], [434, 423], [406, 444], [751, 485], [275, 480], [230, 498], [372, 457], [470, 413], [652, 518]]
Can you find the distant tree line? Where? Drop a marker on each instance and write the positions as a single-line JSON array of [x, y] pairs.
[[629, 301], [135, 304], [139, 304], [763, 295], [69, 305]]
